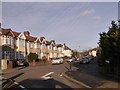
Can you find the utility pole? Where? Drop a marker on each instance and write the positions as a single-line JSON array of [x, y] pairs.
[[79, 50]]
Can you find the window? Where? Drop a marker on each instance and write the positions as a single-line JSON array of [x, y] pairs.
[[4, 40], [7, 40], [38, 45], [43, 46], [49, 47], [35, 45], [52, 48], [31, 46], [3, 54], [21, 55], [21, 42], [11, 41], [7, 54]]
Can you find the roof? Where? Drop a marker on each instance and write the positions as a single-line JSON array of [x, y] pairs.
[[52, 41], [67, 48], [48, 42], [16, 33], [94, 49], [59, 45], [7, 32], [38, 40], [41, 38], [30, 38]]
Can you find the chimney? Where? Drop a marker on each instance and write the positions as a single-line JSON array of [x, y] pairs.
[[64, 44], [27, 33]]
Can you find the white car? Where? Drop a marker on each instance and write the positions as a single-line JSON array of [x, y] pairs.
[[57, 61], [71, 59]]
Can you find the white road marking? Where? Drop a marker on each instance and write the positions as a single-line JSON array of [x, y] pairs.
[[47, 76]]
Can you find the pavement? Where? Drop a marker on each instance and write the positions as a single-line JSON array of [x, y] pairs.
[[16, 69], [89, 76]]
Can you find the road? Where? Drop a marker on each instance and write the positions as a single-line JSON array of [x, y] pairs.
[[30, 77], [91, 75]]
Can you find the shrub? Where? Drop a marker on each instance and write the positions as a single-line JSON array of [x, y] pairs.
[[65, 57], [32, 56]]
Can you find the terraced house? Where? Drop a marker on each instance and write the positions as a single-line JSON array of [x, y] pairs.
[[8, 42], [0, 42], [17, 45]]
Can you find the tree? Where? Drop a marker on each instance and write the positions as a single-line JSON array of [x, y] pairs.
[[75, 53], [109, 44], [32, 56]]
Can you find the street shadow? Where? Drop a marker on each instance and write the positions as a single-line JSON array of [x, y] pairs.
[[39, 84], [90, 73], [13, 77], [6, 82]]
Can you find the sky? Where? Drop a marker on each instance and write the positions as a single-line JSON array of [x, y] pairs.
[[0, 11], [59, 0], [77, 24]]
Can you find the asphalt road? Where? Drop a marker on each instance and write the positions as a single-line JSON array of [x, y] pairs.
[[30, 77], [90, 75]]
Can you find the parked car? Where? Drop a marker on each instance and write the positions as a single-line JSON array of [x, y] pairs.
[[84, 60], [20, 62], [71, 59], [90, 57], [57, 60]]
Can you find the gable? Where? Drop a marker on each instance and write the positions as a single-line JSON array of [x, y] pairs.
[[7, 32], [12, 34], [22, 36], [44, 41], [38, 40]]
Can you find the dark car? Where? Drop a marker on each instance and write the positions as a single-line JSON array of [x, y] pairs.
[[20, 62]]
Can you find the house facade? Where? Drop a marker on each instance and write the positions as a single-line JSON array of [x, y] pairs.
[[8, 44], [0, 43], [67, 51], [60, 50], [93, 52], [17, 45]]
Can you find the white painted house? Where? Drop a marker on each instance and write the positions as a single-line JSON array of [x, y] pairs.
[[67, 51], [0, 43], [93, 52]]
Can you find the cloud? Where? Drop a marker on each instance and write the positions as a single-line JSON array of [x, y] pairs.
[[97, 18], [87, 12]]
